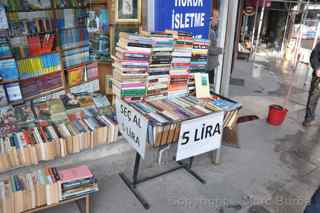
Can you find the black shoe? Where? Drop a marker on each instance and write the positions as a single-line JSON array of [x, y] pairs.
[[309, 123]]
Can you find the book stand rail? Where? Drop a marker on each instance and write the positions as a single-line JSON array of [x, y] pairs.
[[84, 204], [132, 185]]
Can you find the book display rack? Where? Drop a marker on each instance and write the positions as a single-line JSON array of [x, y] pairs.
[[47, 188], [51, 46], [166, 118]]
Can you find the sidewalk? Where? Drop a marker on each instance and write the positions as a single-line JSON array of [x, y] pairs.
[[275, 170]]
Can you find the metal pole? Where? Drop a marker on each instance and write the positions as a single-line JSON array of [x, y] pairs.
[[285, 32], [304, 15], [260, 26], [254, 24]]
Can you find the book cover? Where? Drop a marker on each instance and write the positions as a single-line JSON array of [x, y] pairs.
[[74, 174], [3, 97], [202, 85], [13, 92]]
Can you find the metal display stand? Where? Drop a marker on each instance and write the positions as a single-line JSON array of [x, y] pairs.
[[132, 185]]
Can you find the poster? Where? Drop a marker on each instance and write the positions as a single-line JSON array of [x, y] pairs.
[[191, 16], [199, 136]]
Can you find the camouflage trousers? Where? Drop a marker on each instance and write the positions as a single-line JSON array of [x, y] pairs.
[[314, 95]]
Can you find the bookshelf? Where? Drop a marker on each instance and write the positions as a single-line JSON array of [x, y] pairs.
[[51, 19]]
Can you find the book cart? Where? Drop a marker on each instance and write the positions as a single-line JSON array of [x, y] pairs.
[[170, 133]]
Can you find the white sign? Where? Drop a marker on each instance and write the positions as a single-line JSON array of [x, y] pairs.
[[201, 135], [132, 125]]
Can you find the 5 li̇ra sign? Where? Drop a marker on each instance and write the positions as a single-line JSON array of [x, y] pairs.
[[201, 135], [132, 125]]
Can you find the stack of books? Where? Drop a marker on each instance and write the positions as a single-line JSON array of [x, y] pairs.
[[14, 5], [23, 46], [76, 182], [218, 103], [27, 23], [5, 50], [164, 112], [131, 65], [74, 57], [46, 141], [72, 3], [180, 65], [72, 38], [99, 47], [199, 59], [71, 18], [37, 66], [24, 192], [159, 78], [44, 187], [8, 70], [7, 120], [78, 75]]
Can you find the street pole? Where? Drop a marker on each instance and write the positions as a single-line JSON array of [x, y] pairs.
[[317, 33], [285, 33], [259, 30]]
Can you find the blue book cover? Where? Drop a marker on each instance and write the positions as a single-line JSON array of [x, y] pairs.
[[8, 70]]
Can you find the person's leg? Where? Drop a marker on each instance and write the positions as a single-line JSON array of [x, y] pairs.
[[314, 95], [314, 205], [211, 80]]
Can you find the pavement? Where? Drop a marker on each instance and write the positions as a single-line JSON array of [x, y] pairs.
[[275, 170]]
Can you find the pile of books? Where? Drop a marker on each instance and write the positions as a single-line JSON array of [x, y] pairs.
[[78, 75], [14, 5], [37, 66], [131, 65], [168, 112], [218, 103], [199, 59], [19, 193], [26, 23], [77, 56], [51, 141], [99, 47], [71, 18], [8, 70], [159, 78], [180, 65], [72, 38], [24, 46], [76, 182], [5, 50]]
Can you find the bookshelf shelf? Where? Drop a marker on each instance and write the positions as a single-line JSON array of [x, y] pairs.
[[41, 54], [7, 82], [79, 65], [44, 93], [8, 57], [86, 199], [33, 34], [83, 82], [75, 47], [29, 11], [71, 28], [36, 77]]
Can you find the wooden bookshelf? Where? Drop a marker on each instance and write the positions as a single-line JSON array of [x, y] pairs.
[[7, 82], [83, 203], [79, 65]]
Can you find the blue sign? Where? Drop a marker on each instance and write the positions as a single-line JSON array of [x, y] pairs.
[[191, 16]]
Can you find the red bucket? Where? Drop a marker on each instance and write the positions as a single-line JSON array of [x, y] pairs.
[[277, 115]]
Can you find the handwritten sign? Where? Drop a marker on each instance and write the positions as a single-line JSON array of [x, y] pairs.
[[132, 125], [191, 16], [201, 135]]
